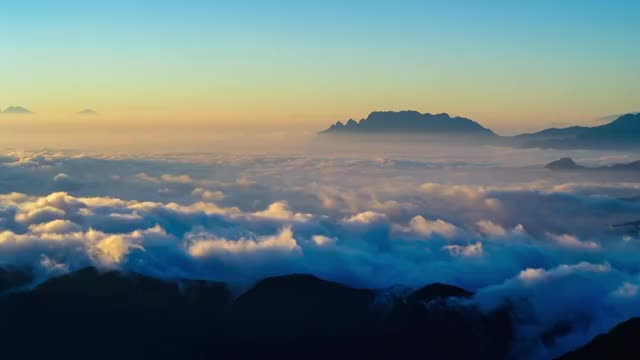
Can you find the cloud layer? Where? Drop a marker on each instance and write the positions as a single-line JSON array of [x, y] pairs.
[[510, 233]]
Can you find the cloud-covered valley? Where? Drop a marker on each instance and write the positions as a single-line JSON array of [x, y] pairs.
[[514, 233]]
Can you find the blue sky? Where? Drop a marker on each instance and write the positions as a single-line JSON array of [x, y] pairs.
[[509, 64]]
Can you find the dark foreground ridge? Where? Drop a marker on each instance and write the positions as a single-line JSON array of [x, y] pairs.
[[112, 315], [115, 315], [620, 343]]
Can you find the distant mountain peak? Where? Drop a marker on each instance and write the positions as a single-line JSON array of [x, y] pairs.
[[412, 122], [16, 110], [563, 164], [88, 112]]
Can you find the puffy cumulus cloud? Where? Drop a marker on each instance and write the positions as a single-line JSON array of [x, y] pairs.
[[536, 241], [55, 226], [79, 248], [180, 179], [147, 177], [13, 198], [283, 241], [32, 159], [208, 195], [462, 195], [29, 215], [367, 217], [487, 227], [572, 241], [62, 177], [428, 228], [322, 240], [112, 248], [280, 210], [464, 250]]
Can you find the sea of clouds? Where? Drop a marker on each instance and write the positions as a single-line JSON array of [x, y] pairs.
[[497, 223]]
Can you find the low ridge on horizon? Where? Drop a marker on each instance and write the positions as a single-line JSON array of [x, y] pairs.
[[87, 112], [16, 110]]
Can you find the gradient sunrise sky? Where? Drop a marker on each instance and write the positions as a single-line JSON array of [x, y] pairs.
[[512, 65]]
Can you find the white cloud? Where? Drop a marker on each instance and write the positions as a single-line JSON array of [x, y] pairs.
[[322, 240], [572, 241], [55, 226], [465, 250], [62, 177], [210, 247], [367, 217], [280, 210], [208, 195], [429, 228], [363, 221], [488, 228], [180, 179]]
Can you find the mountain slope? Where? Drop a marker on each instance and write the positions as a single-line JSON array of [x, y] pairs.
[[619, 343], [11, 279], [623, 132]]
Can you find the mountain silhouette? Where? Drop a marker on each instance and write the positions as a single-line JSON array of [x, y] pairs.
[[563, 164], [410, 122], [624, 132], [619, 343], [16, 110], [11, 278], [609, 118], [438, 291], [88, 112], [132, 316], [567, 164]]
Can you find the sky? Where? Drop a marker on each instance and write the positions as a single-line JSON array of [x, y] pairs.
[[513, 66]]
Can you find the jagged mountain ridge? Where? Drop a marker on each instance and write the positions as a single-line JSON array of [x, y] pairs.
[[410, 121], [624, 132]]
